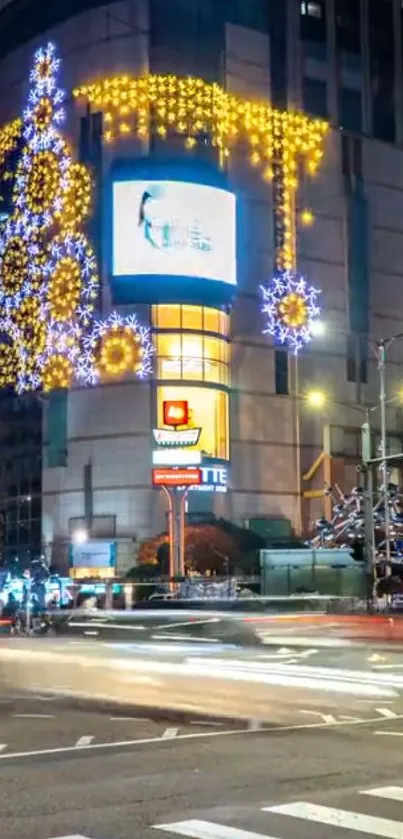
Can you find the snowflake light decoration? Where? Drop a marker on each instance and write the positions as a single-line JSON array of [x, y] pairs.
[[49, 281], [291, 308], [115, 347]]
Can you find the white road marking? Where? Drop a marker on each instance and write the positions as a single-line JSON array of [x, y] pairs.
[[130, 719], [391, 793], [3, 746], [170, 733], [328, 719], [390, 733], [34, 716], [254, 725], [194, 736], [76, 836], [84, 741], [386, 712], [212, 723], [373, 825], [197, 829]]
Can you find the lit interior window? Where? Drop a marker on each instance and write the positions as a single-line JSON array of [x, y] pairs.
[[192, 356], [311, 9], [208, 410], [192, 317], [195, 318]]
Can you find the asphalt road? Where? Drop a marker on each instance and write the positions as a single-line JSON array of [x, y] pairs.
[[103, 771], [277, 686], [213, 785]]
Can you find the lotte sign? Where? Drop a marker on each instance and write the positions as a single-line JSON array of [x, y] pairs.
[[176, 477]]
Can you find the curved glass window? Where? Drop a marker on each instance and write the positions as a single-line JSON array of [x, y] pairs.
[[191, 356], [208, 410], [194, 318]]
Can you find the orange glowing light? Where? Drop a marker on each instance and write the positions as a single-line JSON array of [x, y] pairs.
[[176, 413], [293, 310]]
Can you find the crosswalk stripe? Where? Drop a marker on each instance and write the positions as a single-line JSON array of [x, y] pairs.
[[373, 825], [197, 829], [392, 793]]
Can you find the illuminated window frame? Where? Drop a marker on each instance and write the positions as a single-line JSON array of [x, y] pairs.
[[172, 324], [205, 367], [184, 390]]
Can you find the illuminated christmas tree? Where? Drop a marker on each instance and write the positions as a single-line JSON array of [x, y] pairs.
[[48, 273]]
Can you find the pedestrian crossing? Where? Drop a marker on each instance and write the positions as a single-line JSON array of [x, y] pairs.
[[333, 821]]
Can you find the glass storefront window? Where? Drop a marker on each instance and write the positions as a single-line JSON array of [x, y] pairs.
[[166, 317], [208, 410], [169, 353], [224, 324], [211, 320], [191, 356], [192, 317]]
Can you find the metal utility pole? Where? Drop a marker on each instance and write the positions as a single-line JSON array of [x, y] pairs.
[[369, 541], [382, 348]]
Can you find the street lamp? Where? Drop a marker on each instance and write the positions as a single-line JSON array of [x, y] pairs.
[[381, 350], [316, 398], [80, 536]]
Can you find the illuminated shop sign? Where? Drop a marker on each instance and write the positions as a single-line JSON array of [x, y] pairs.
[[173, 228], [176, 412], [176, 477], [185, 437], [93, 555], [176, 457], [214, 478]]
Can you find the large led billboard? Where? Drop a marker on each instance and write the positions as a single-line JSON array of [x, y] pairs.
[[169, 238]]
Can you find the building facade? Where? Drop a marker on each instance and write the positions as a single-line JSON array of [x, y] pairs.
[[337, 61]]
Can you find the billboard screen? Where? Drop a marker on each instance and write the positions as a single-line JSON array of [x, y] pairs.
[[173, 229]]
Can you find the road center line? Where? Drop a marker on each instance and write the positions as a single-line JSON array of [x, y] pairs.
[[196, 736], [34, 716], [130, 719]]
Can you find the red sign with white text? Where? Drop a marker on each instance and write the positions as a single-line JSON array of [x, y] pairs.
[[176, 477], [176, 413]]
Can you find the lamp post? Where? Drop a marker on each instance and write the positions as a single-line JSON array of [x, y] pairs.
[[382, 347], [318, 399]]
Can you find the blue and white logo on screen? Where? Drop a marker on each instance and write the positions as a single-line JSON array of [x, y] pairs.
[[174, 228]]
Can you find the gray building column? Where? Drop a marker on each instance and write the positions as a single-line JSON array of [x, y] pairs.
[[294, 59], [332, 68], [397, 41], [366, 89]]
